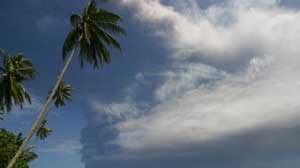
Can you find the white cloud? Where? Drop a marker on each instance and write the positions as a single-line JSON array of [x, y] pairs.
[[116, 110], [185, 77], [219, 33], [262, 92], [204, 114], [234, 70]]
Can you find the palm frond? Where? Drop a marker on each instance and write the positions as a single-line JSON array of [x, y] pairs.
[[94, 34], [107, 38], [16, 70], [76, 20], [62, 94], [28, 155], [43, 132], [70, 42]]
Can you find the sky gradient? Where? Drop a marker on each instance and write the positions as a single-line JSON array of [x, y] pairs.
[[200, 83]]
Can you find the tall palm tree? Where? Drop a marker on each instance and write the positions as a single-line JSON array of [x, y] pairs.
[[14, 71], [91, 34]]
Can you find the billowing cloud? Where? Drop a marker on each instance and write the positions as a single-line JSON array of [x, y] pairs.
[[218, 33], [234, 77]]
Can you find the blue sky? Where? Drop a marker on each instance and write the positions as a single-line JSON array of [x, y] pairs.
[[209, 83]]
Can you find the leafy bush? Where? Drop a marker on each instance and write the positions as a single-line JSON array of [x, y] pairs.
[[9, 144]]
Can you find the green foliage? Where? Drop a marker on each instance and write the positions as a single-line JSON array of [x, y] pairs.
[[9, 144], [62, 93], [14, 71], [92, 34], [43, 132]]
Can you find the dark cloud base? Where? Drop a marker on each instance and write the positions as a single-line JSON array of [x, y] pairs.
[[263, 148]]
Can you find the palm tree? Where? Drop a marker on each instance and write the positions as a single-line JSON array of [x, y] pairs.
[[91, 34], [15, 70]]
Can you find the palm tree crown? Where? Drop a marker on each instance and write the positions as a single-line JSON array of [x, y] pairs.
[[91, 33], [15, 70]]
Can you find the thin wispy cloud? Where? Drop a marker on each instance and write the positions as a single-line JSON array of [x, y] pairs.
[[63, 146], [47, 22]]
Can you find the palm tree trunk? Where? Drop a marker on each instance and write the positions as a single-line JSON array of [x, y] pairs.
[[43, 111]]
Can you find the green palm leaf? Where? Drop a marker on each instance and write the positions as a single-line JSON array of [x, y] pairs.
[[92, 32], [43, 132], [62, 94], [70, 42], [15, 70], [75, 20]]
